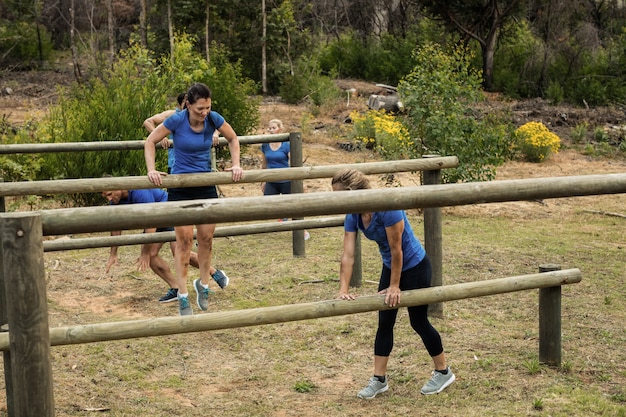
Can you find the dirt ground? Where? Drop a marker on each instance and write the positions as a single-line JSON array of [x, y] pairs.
[[28, 97]]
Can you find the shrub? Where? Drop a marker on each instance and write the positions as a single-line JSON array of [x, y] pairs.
[[24, 44], [308, 82], [384, 60], [114, 108], [579, 132], [440, 95], [383, 132], [19, 167], [536, 142]]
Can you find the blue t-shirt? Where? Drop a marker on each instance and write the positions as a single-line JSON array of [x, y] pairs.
[[277, 158], [192, 149], [171, 158], [151, 195], [412, 249]]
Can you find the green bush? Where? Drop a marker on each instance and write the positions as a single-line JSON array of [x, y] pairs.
[[385, 60], [309, 82], [114, 108], [18, 167], [22, 45], [439, 96]]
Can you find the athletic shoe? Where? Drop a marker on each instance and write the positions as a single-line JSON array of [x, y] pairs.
[[202, 294], [183, 306], [373, 388], [220, 277], [171, 295], [438, 382]]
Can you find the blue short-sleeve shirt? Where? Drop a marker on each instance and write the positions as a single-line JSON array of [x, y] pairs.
[[412, 250], [192, 150]]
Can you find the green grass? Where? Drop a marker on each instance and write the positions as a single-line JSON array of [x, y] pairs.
[[315, 367]]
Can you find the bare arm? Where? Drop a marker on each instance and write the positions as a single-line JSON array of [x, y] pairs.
[[394, 237], [143, 262], [149, 148], [113, 255], [152, 122], [233, 145], [347, 265]]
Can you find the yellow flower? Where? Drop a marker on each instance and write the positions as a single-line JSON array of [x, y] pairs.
[[536, 142]]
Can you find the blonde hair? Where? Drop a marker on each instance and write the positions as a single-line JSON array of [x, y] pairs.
[[277, 122], [351, 179]]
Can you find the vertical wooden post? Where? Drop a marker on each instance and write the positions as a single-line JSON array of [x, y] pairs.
[[4, 327], [433, 239], [550, 321], [297, 186], [356, 280], [213, 159], [27, 312]]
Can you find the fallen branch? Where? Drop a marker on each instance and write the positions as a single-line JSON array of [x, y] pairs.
[[606, 213]]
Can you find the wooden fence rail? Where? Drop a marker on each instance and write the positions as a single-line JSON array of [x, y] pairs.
[[237, 209], [96, 185], [162, 326], [121, 145], [223, 231]]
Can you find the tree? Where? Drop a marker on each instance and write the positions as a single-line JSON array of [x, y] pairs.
[[480, 20]]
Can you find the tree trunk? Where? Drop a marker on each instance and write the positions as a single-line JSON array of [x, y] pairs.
[[206, 34], [170, 27], [264, 49], [111, 31], [488, 49], [143, 31], [73, 43]]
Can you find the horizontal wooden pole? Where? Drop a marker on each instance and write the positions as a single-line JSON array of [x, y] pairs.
[[240, 209], [101, 332], [97, 185], [224, 231], [118, 145]]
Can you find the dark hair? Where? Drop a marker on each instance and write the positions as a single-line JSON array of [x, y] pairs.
[[181, 98], [198, 91]]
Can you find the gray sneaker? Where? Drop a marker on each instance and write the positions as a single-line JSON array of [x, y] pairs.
[[202, 294], [220, 277], [438, 382], [183, 306], [373, 388]]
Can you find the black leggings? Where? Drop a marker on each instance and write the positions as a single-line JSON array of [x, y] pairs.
[[417, 277]]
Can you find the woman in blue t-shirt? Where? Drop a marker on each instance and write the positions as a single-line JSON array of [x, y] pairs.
[[192, 132], [275, 155], [405, 267]]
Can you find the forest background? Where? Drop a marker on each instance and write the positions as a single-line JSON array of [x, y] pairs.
[[129, 59]]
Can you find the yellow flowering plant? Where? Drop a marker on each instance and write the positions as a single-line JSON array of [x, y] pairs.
[[536, 142], [382, 132]]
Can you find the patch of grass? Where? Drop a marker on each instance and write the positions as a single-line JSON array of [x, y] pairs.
[[491, 343], [304, 386]]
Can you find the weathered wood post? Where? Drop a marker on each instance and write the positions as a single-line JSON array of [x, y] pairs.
[[297, 186], [4, 327], [27, 312], [550, 321], [432, 238]]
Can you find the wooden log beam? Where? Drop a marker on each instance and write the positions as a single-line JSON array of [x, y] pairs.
[[240, 209], [223, 231], [101, 332], [118, 145], [97, 185]]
